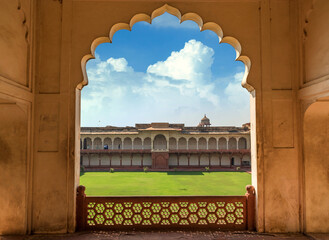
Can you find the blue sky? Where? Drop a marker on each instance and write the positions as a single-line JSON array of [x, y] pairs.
[[164, 72]]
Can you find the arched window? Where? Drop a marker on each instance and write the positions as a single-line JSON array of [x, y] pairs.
[[222, 143], [212, 143], [232, 143], [117, 143], [192, 143], [182, 143], [202, 143], [107, 143], [160, 142], [87, 143], [242, 144], [147, 143], [138, 143], [172, 143], [127, 143], [98, 143]]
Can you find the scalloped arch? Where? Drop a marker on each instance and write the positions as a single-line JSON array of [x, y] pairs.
[[173, 11]]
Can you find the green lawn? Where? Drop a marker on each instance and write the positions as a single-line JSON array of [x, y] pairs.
[[164, 183]]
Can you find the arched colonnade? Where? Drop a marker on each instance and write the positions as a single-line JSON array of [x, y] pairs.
[[160, 142]]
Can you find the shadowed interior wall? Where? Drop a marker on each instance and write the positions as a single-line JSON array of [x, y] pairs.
[[314, 94], [13, 165], [16, 99], [316, 150], [316, 42], [14, 46]]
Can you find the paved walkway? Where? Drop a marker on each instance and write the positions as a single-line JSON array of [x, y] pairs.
[[175, 235]]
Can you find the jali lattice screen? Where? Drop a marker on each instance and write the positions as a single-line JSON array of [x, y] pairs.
[[165, 212]]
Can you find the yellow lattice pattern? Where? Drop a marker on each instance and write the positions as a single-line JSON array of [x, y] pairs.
[[165, 213]]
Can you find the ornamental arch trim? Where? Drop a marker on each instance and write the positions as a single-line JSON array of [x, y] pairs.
[[175, 12]]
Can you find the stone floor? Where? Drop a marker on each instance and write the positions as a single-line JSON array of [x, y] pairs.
[[174, 235]]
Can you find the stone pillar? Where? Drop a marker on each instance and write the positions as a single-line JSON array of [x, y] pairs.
[[251, 210], [80, 208]]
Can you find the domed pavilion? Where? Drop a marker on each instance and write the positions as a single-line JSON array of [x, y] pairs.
[[205, 122]]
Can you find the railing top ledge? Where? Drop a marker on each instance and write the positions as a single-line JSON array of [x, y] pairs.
[[249, 188]]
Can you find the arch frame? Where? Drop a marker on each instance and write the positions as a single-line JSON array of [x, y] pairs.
[[249, 82], [166, 8], [250, 48]]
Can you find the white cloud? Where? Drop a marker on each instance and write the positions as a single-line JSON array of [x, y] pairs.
[[192, 66], [192, 63], [238, 77], [119, 65], [179, 89], [236, 94]]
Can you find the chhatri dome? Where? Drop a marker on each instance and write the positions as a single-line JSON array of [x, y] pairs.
[[205, 122]]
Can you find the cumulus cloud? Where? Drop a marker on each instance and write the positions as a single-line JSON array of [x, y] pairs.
[[178, 89], [119, 65], [192, 66], [192, 63]]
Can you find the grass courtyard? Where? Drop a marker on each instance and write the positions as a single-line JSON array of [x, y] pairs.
[[164, 183]]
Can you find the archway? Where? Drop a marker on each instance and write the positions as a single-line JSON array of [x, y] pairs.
[[160, 142], [316, 165], [182, 142]]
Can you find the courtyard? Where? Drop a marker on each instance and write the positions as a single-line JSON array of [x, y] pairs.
[[173, 183]]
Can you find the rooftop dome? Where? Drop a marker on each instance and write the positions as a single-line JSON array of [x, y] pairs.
[[205, 122]]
